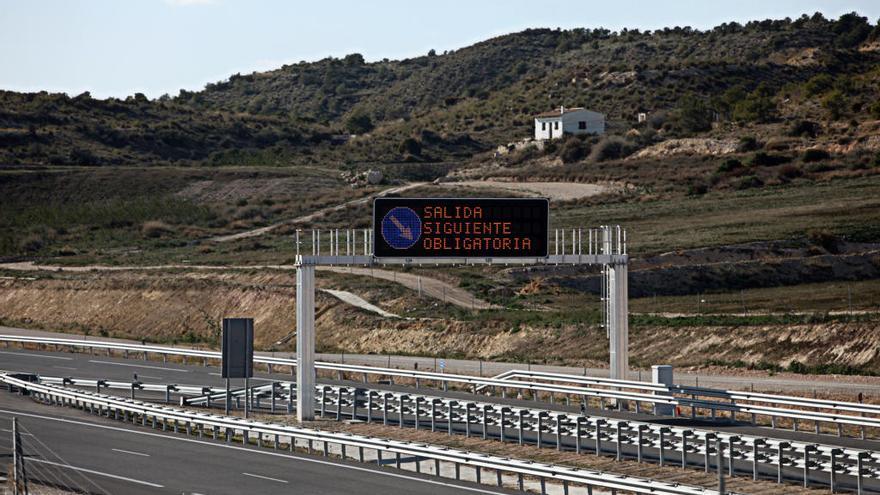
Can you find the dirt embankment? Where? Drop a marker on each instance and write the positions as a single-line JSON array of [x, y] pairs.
[[188, 307]]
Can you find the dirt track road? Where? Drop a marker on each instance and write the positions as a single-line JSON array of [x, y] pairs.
[[431, 287], [311, 216]]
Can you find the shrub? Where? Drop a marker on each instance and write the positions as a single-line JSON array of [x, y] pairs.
[[815, 155], [815, 168], [835, 103], [818, 84], [825, 239], [804, 128], [747, 143], [573, 150], [32, 243], [359, 123], [790, 172], [730, 165], [155, 228], [762, 159], [749, 182], [612, 148], [694, 115], [875, 110], [410, 146], [697, 189], [758, 106]]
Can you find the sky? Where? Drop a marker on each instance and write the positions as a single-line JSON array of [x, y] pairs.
[[120, 47]]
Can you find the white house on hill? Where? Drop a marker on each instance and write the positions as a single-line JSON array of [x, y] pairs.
[[553, 124]]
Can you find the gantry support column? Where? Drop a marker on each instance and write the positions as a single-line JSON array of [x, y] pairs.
[[618, 319], [305, 342]]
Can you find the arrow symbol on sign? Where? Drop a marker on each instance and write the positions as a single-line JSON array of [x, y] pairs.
[[405, 231]]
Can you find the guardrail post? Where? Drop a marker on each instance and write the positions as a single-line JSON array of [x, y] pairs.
[[719, 447], [662, 444], [707, 447], [369, 406], [501, 425], [418, 411], [486, 408], [385, 410], [860, 471], [272, 403], [684, 448], [434, 414], [599, 436], [618, 453], [400, 413], [521, 413], [354, 403], [578, 430], [755, 444], [467, 418], [450, 406], [559, 419], [832, 475]]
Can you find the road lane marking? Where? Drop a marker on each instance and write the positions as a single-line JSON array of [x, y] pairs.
[[65, 367], [36, 355], [138, 366], [20, 433], [253, 451], [130, 452], [99, 473], [150, 376], [264, 477]]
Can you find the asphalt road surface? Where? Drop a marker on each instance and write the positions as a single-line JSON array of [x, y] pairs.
[[837, 384], [69, 447], [111, 368]]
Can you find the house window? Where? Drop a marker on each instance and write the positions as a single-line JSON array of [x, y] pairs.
[[556, 125], [582, 125], [543, 126]]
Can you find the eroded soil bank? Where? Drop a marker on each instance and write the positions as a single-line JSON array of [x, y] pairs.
[[181, 306]]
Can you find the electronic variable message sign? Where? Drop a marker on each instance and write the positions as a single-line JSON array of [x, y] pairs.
[[460, 227]]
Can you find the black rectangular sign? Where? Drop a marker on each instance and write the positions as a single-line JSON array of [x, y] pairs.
[[238, 348], [460, 227]]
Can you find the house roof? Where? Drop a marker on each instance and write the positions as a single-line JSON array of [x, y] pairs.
[[558, 112]]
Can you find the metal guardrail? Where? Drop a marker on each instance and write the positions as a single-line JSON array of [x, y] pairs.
[[198, 423], [735, 399], [758, 456], [616, 390]]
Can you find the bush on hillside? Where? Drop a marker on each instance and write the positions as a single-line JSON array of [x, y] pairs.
[[574, 149], [359, 123], [815, 155], [834, 102], [762, 159], [747, 143], [155, 228], [612, 148], [804, 128]]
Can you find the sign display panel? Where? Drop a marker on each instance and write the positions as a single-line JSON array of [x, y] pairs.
[[238, 348], [460, 227]]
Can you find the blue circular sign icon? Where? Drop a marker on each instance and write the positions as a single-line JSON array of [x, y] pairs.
[[401, 228]]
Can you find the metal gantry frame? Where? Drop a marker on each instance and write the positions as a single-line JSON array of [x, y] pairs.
[[605, 246]]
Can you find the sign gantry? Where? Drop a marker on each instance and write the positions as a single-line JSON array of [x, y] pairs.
[[460, 231]]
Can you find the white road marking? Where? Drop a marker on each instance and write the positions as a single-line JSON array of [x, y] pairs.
[[216, 374], [253, 451], [264, 477], [36, 355], [130, 452], [150, 376], [65, 367], [99, 473], [20, 433], [138, 366]]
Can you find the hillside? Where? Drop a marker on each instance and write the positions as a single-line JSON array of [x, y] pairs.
[[450, 106]]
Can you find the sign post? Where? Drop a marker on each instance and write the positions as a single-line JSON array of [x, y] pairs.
[[238, 355]]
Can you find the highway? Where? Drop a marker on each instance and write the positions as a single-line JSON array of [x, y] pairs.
[[99, 366], [114, 457], [806, 383]]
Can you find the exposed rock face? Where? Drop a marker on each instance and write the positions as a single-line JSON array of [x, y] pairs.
[[689, 146], [374, 177]]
